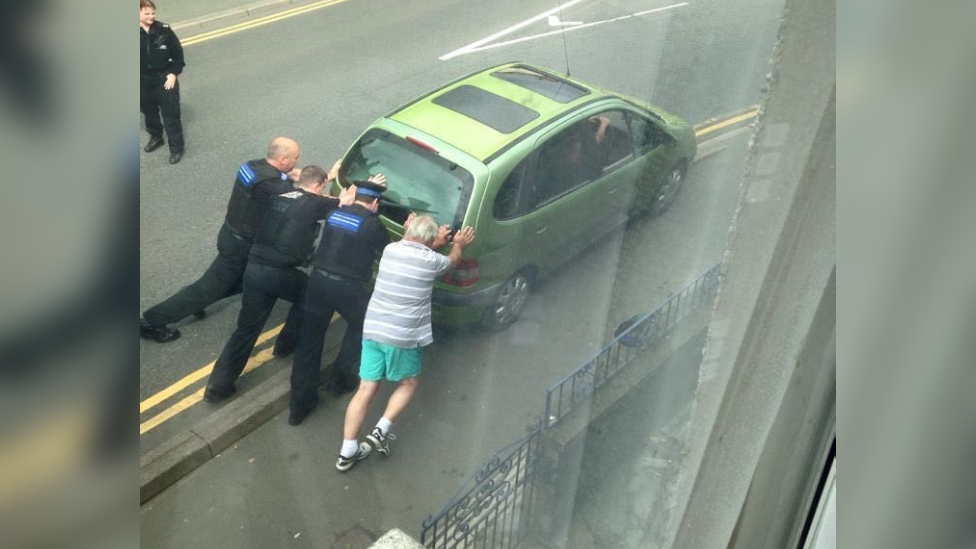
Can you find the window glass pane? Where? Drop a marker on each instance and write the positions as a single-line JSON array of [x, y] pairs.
[[602, 172], [647, 135], [511, 200], [417, 179], [488, 108], [611, 138]]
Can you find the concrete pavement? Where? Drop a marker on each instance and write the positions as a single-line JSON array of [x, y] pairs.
[[279, 484]]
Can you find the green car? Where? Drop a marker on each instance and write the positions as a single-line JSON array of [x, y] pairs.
[[541, 166]]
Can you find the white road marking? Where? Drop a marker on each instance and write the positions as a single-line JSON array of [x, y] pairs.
[[555, 22], [509, 30], [485, 43]]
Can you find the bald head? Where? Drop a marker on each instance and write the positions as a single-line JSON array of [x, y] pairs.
[[283, 153]]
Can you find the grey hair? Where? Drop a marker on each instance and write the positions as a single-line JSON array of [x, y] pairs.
[[423, 228]]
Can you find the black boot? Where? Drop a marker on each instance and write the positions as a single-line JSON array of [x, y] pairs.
[[298, 415], [160, 334], [154, 143], [213, 396]]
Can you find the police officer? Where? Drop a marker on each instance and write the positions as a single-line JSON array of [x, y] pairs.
[[256, 182], [160, 63], [283, 243], [352, 239]]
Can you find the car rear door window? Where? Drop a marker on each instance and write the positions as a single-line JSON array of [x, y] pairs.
[[581, 153], [512, 200], [573, 157]]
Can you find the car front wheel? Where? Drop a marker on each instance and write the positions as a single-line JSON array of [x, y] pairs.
[[666, 192], [655, 199], [509, 303]]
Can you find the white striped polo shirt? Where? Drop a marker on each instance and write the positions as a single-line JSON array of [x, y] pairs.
[[399, 310]]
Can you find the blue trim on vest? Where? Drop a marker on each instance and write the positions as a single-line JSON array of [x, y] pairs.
[[344, 221], [246, 175]]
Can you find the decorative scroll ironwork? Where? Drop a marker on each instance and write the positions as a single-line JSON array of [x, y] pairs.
[[630, 339], [492, 507]]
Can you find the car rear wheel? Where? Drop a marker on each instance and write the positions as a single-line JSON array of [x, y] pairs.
[[509, 303]]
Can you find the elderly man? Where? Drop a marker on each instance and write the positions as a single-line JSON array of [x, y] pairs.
[[256, 182], [397, 328]]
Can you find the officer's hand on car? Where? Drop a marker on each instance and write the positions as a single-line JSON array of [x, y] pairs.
[[347, 196], [379, 179], [170, 82], [464, 237]]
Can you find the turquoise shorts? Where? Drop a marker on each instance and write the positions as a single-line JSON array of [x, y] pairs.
[[380, 361]]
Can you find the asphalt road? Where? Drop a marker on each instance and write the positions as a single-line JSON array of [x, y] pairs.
[[323, 76]]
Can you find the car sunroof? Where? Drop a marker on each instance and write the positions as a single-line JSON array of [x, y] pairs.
[[547, 85], [494, 111]]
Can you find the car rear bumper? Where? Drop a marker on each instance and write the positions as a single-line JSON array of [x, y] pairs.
[[454, 308]]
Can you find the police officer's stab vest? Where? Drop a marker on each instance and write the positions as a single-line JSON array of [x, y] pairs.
[[247, 208], [286, 235], [346, 248]]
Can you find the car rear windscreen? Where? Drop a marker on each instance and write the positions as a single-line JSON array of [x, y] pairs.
[[496, 112], [557, 89], [417, 179]]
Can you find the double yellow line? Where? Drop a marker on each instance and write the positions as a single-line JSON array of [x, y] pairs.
[[195, 397], [711, 126], [259, 22]]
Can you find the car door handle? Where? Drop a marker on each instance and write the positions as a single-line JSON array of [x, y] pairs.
[[612, 190], [540, 228]]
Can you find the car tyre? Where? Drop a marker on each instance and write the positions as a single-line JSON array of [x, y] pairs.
[[656, 202], [509, 303], [666, 192]]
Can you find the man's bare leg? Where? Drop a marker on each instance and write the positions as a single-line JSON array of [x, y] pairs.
[[401, 397], [358, 406]]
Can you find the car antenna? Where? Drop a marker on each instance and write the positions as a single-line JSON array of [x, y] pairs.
[[562, 31]]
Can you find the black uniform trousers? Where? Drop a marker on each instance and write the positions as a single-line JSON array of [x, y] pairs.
[[155, 100], [263, 285], [325, 295], [222, 279]]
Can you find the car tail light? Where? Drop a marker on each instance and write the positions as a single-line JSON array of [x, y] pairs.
[[464, 274], [422, 145]]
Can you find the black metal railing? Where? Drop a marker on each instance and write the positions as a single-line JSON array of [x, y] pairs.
[[493, 508], [631, 338]]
